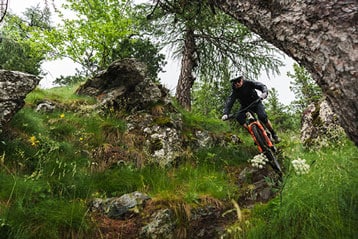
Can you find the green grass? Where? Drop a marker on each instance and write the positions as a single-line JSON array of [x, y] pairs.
[[187, 182], [322, 203], [63, 95], [47, 179]]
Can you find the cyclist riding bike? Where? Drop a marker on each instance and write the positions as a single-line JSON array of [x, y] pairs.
[[245, 92]]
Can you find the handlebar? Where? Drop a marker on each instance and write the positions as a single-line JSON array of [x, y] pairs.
[[251, 104], [230, 116]]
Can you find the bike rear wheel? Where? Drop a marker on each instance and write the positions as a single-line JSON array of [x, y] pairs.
[[266, 149]]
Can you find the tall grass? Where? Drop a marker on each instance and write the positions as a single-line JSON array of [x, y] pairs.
[[320, 204], [187, 182]]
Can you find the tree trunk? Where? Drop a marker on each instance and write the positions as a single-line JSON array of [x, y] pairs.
[[3, 9], [188, 64], [319, 35]]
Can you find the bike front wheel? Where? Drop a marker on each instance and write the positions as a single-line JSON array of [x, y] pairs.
[[260, 139]]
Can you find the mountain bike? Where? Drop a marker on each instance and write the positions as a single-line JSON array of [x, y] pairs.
[[262, 137]]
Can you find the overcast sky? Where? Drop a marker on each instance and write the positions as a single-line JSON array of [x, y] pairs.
[[169, 79]]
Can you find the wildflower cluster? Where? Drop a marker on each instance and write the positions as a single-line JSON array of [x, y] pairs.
[[300, 166], [258, 161]]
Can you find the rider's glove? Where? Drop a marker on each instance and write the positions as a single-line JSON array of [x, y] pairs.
[[225, 117], [263, 96]]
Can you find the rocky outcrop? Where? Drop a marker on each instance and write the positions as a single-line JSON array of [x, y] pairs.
[[153, 124], [125, 85], [320, 126], [14, 86]]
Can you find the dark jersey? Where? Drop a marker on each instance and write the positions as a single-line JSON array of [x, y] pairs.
[[246, 94]]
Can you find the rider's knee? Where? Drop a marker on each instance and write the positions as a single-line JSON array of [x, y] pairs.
[[263, 119], [241, 119]]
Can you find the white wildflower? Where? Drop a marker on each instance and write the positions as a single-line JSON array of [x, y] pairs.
[[300, 166], [258, 161]]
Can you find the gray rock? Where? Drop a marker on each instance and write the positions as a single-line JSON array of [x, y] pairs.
[[320, 125], [14, 86], [46, 106], [125, 85], [161, 226], [117, 207]]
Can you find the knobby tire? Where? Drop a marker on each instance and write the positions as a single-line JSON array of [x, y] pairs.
[[266, 149]]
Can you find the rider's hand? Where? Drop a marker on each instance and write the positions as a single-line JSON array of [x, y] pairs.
[[225, 117], [263, 96]]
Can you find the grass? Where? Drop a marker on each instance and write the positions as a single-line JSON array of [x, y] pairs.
[[47, 179], [322, 203], [187, 183]]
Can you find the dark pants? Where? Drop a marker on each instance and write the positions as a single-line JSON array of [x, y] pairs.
[[258, 108]]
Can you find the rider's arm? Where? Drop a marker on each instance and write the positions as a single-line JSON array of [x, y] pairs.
[[229, 103], [261, 87]]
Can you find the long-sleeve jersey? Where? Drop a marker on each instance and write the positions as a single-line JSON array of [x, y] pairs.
[[246, 94]]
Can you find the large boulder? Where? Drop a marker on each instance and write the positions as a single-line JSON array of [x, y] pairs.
[[14, 86], [320, 126], [125, 85]]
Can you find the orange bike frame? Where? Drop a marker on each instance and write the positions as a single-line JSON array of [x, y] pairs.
[[259, 125]]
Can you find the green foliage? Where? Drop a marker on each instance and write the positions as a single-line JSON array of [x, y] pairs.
[[223, 47], [117, 181], [304, 87], [187, 182], [202, 122], [69, 80], [63, 95], [102, 32], [209, 99], [47, 175], [279, 114], [322, 202], [31, 211], [18, 49]]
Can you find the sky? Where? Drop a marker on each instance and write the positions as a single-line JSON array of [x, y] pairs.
[[169, 78]]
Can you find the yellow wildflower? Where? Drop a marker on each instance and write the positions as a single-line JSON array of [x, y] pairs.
[[62, 116], [33, 140]]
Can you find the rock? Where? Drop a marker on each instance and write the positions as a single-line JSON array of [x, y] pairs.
[[161, 225], [125, 85], [153, 124], [46, 106], [14, 86], [118, 207], [320, 126]]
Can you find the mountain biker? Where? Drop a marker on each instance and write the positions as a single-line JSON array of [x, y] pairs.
[[245, 92]]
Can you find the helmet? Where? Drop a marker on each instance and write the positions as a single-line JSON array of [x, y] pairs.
[[237, 79]]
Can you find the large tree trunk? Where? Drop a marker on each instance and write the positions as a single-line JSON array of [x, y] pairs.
[[321, 35], [186, 78]]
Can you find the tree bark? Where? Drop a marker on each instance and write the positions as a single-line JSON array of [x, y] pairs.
[[319, 35], [188, 64], [3, 9]]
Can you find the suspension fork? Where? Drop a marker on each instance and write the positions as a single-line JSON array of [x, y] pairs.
[[266, 138]]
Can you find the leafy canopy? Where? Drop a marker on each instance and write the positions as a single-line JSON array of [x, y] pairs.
[[304, 87], [99, 33], [18, 49], [223, 46]]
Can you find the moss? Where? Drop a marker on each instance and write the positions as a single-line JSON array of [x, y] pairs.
[[163, 121]]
